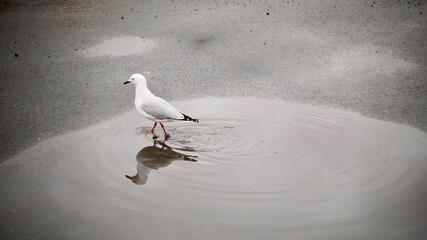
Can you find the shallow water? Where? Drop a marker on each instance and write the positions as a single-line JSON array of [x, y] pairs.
[[120, 46], [251, 169]]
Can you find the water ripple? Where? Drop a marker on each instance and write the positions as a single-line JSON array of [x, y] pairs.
[[269, 162]]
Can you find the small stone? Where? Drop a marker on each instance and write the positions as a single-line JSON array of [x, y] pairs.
[[16, 55]]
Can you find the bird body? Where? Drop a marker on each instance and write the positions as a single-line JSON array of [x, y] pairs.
[[152, 107]]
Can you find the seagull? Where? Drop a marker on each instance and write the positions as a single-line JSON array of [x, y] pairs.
[[154, 108]]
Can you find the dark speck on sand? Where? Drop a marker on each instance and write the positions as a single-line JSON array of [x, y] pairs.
[[339, 78]]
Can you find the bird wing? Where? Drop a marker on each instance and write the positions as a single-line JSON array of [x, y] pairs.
[[160, 109]]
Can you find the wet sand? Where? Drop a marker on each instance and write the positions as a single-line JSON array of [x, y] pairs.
[[303, 171], [61, 69], [251, 169]]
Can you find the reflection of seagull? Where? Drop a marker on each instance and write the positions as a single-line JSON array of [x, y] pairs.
[[153, 157], [154, 108]]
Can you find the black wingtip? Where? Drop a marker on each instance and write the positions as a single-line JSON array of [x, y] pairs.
[[187, 118]]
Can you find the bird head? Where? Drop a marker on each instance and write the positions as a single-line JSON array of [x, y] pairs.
[[136, 79]]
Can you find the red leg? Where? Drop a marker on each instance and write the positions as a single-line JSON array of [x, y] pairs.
[[152, 130], [166, 134]]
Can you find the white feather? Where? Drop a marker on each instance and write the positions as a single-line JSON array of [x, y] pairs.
[[150, 106]]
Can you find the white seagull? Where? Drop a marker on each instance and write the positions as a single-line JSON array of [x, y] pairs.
[[154, 108]]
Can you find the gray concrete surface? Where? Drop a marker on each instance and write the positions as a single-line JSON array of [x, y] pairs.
[[366, 56]]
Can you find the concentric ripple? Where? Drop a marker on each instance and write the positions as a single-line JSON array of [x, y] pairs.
[[250, 168]]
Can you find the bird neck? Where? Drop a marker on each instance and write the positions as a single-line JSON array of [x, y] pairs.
[[141, 90]]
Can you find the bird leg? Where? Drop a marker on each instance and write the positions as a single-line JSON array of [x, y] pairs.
[[166, 134], [152, 130]]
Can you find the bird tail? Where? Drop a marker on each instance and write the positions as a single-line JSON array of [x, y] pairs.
[[187, 118]]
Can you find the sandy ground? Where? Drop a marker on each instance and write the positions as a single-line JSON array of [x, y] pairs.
[[62, 67]]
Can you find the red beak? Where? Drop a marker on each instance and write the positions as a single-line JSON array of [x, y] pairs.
[[126, 82]]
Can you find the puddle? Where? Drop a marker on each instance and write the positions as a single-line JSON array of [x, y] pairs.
[[251, 169], [120, 46]]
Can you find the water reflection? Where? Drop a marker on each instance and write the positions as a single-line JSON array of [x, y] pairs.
[[310, 173], [157, 156]]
